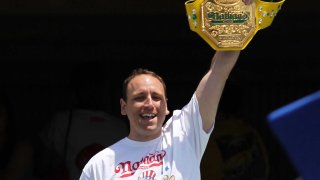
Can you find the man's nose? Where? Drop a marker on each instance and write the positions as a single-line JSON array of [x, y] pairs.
[[148, 101]]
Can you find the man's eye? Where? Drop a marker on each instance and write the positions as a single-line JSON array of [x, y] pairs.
[[139, 98], [156, 98]]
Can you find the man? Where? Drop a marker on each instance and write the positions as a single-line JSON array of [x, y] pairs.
[[156, 151]]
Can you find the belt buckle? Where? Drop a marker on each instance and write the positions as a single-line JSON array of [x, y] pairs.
[[229, 24]]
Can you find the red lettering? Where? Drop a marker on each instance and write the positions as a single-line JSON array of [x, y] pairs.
[[135, 165], [122, 166], [127, 169]]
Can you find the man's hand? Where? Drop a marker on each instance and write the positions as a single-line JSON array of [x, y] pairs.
[[247, 2]]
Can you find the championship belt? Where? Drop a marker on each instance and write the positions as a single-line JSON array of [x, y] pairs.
[[230, 24]]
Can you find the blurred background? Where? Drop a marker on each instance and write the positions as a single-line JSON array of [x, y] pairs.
[[43, 44]]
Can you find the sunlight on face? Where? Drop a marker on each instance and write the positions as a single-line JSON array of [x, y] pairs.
[[146, 107]]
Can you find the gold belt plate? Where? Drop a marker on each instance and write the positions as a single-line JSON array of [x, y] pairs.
[[228, 23]]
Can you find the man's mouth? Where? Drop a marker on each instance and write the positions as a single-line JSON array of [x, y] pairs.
[[148, 116]]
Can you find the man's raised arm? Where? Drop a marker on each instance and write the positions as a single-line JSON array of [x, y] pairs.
[[212, 84]]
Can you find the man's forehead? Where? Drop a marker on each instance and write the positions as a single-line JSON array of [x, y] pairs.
[[144, 82], [144, 79]]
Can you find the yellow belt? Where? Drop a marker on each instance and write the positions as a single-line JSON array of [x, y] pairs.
[[230, 24]]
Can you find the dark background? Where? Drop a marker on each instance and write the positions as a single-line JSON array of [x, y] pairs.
[[42, 41]]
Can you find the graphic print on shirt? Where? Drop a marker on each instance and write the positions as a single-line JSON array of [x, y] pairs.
[[147, 175], [167, 178], [128, 168]]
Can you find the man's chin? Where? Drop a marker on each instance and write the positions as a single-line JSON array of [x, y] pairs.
[[152, 131]]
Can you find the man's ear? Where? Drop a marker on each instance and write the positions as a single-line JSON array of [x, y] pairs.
[[167, 111], [123, 106]]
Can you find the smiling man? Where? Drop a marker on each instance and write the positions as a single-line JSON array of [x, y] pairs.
[[155, 150]]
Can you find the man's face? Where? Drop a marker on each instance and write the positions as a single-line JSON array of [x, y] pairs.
[[146, 107]]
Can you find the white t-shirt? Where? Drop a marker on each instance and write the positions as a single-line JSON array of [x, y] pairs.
[[175, 155]]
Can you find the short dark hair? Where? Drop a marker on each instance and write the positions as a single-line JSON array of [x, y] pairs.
[[140, 71]]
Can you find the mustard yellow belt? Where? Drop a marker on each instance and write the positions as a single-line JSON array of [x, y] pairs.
[[230, 24]]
